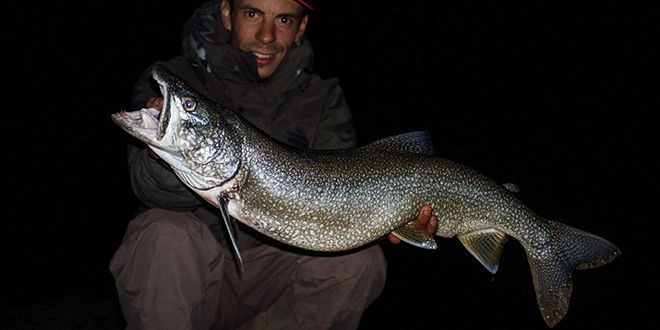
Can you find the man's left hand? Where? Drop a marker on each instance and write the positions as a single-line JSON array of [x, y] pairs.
[[425, 219]]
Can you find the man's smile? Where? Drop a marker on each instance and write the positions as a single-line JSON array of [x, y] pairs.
[[264, 59]]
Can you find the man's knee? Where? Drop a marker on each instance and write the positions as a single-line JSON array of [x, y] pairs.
[[166, 227], [160, 236], [362, 269], [340, 287], [370, 267]]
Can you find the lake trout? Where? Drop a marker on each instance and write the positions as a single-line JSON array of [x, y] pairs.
[[339, 200]]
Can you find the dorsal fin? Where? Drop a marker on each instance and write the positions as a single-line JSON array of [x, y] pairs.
[[485, 245], [418, 142]]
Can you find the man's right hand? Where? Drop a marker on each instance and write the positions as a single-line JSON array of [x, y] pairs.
[[155, 102]]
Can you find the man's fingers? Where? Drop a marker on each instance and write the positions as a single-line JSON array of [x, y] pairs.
[[425, 215], [155, 102], [432, 226], [425, 219], [152, 154], [393, 239]]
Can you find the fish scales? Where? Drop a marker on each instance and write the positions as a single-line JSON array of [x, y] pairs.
[[383, 180], [340, 200]]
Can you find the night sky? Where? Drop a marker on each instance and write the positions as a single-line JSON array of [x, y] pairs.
[[557, 99]]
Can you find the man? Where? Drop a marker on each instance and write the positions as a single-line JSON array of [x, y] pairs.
[[174, 269]]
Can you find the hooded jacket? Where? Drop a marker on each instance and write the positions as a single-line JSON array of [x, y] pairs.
[[293, 105]]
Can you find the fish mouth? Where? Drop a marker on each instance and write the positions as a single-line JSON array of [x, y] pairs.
[[143, 122], [149, 125], [165, 114]]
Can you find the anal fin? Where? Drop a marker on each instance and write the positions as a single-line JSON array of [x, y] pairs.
[[486, 246]]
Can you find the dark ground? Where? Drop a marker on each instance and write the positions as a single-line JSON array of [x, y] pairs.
[[556, 99]]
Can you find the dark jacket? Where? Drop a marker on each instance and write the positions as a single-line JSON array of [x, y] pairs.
[[293, 105]]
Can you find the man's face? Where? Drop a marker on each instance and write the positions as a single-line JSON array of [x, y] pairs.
[[266, 28]]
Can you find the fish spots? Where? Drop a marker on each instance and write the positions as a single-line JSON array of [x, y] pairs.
[[291, 231]]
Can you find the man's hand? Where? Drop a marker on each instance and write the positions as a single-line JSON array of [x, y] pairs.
[[426, 219], [156, 103]]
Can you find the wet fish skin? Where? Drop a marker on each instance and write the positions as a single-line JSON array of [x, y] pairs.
[[340, 200]]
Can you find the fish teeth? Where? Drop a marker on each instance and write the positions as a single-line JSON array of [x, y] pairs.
[[149, 120], [154, 112]]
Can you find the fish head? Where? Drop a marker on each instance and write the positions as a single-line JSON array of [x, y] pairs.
[[188, 133]]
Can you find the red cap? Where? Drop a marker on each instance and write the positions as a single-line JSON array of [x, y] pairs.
[[307, 4]]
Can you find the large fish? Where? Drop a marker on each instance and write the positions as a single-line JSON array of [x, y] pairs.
[[340, 200]]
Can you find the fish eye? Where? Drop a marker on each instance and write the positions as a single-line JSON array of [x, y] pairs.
[[188, 104]]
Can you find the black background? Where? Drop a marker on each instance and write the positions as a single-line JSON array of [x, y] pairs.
[[556, 98]]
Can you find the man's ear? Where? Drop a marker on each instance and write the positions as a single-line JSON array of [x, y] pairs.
[[301, 28], [225, 14]]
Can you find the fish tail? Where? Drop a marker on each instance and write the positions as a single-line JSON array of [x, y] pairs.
[[552, 265]]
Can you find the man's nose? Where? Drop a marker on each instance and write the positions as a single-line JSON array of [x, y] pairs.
[[266, 34]]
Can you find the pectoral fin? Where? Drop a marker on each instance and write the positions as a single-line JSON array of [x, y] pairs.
[[415, 235], [486, 246], [230, 225]]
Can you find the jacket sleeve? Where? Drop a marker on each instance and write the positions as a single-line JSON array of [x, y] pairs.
[[152, 181], [335, 127]]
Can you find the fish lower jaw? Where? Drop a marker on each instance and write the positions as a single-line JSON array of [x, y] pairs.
[[140, 124]]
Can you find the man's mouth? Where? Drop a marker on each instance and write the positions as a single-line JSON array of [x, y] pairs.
[[263, 59]]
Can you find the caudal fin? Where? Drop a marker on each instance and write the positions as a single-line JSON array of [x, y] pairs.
[[552, 265]]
